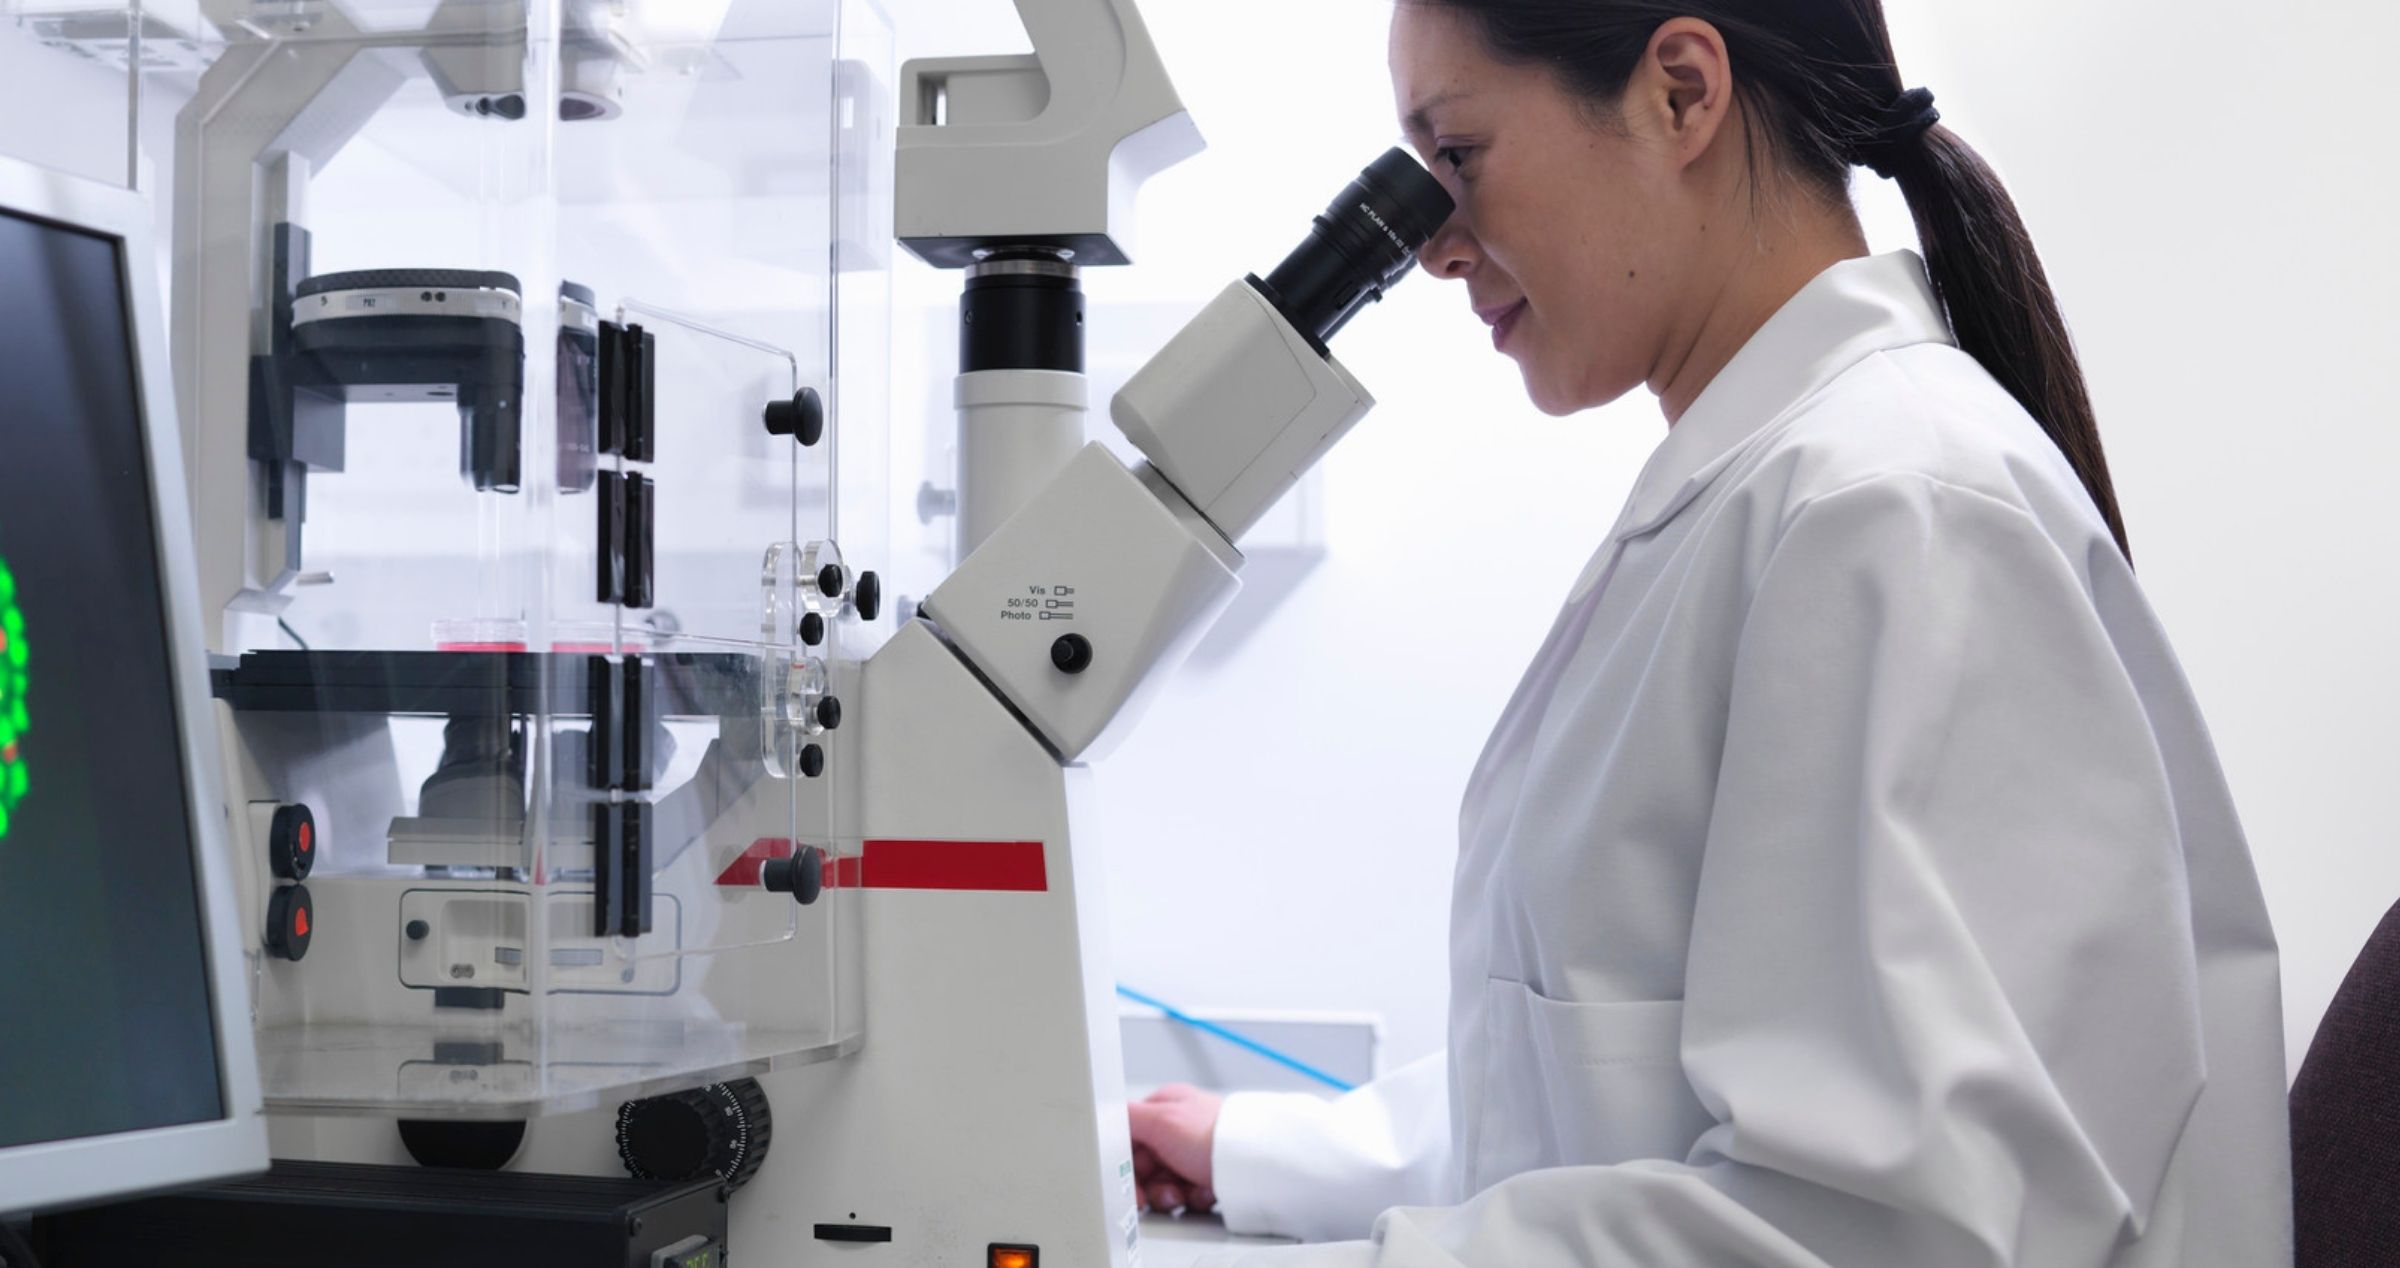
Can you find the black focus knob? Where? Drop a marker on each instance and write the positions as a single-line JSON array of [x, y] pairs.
[[291, 922], [870, 596], [1071, 654], [802, 875], [802, 417], [812, 629], [829, 581], [829, 713], [812, 760], [292, 843], [721, 1130]]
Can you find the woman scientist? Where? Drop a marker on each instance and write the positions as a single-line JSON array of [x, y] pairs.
[[1851, 882]]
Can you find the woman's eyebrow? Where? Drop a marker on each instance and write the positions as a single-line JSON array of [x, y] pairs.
[[1420, 120]]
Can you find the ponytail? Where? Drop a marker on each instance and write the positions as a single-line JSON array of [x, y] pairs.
[[1824, 80], [1988, 276]]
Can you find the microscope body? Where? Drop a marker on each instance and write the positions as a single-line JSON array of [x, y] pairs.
[[1036, 655], [1093, 592]]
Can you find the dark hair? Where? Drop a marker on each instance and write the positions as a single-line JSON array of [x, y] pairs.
[[1820, 77]]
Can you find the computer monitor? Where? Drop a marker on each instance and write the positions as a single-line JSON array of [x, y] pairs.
[[125, 1044]]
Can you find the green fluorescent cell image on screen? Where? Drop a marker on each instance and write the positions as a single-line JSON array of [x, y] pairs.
[[14, 657]]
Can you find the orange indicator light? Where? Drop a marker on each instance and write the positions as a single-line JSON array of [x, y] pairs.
[[1014, 1257]]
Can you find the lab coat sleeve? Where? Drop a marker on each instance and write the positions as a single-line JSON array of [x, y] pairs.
[[1294, 1165], [1942, 992]]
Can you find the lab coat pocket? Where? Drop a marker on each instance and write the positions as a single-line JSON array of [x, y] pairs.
[[1568, 1084]]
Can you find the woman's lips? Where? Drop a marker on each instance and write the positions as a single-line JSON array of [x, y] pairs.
[[1504, 321]]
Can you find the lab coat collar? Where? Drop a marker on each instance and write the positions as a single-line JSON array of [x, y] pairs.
[[1850, 312]]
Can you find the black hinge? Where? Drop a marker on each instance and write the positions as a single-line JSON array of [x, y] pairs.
[[611, 553], [628, 531], [623, 699], [628, 392], [624, 703], [621, 869], [641, 523], [607, 702], [640, 723]]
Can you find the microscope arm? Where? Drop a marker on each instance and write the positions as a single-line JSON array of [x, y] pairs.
[[1041, 149], [1079, 606]]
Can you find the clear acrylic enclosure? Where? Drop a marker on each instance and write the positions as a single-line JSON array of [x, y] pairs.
[[513, 342]]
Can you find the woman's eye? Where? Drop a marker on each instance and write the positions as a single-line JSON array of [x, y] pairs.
[[1454, 155]]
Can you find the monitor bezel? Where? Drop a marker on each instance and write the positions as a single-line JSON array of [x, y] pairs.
[[84, 1170]]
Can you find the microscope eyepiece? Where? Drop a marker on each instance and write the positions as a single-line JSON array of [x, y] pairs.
[[1361, 247]]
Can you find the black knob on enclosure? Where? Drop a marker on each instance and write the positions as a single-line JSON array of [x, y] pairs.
[[292, 843], [721, 1130], [1072, 653], [829, 581], [829, 713], [802, 417], [812, 629], [870, 596], [417, 930], [802, 875], [812, 760], [291, 921]]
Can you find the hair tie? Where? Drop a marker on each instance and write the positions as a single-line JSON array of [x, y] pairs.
[[1895, 133]]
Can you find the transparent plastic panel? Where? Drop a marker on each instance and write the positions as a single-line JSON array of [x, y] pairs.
[[479, 306], [863, 116]]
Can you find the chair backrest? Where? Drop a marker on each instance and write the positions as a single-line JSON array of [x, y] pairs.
[[2346, 1119]]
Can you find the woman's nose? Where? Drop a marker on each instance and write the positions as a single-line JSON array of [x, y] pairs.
[[1451, 252]]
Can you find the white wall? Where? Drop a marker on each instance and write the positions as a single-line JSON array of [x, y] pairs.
[[2210, 185]]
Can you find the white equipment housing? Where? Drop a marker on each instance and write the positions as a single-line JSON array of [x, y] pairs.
[[1116, 559], [1237, 407], [1040, 149], [1017, 429]]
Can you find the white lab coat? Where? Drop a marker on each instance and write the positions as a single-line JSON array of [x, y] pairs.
[[1850, 884]]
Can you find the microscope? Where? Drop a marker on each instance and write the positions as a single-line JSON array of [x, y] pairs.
[[590, 828], [990, 1094]]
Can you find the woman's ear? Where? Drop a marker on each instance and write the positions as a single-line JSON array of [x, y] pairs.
[[1685, 85]]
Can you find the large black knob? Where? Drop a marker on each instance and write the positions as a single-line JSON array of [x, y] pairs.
[[1071, 654], [802, 875], [292, 843], [721, 1130], [869, 597], [802, 417], [291, 922]]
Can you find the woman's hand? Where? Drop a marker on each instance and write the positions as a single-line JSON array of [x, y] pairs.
[[1174, 1131]]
